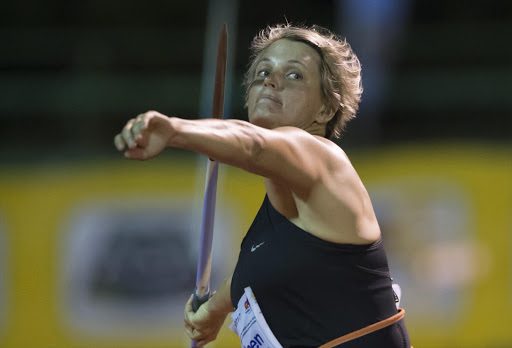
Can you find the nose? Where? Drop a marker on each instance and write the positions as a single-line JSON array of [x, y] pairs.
[[271, 81]]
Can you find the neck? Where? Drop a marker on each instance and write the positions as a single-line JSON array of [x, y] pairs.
[[317, 129]]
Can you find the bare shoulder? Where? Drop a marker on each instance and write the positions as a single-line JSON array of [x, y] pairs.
[[310, 141], [332, 146], [319, 151], [301, 161], [335, 194]]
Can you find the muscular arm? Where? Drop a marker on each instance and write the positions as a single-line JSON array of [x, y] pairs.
[[286, 154], [314, 169], [220, 302]]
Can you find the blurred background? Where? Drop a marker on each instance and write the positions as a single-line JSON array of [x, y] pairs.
[[99, 251]]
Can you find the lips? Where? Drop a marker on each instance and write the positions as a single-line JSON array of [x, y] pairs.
[[270, 97]]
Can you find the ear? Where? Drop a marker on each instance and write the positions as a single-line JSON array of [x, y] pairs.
[[324, 115]]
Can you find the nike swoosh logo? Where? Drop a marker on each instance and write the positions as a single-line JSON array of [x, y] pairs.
[[256, 247]]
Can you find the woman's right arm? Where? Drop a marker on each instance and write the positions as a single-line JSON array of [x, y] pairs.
[[287, 154]]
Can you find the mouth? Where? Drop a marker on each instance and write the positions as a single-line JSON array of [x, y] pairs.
[[270, 97]]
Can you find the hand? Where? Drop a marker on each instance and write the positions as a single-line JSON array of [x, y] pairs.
[[202, 326], [145, 136]]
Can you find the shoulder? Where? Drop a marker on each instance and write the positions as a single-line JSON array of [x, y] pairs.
[[321, 149], [304, 138]]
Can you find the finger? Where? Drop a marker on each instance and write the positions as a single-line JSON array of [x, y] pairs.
[[140, 136], [188, 323], [188, 306], [127, 134], [137, 129], [189, 330], [194, 334], [136, 153], [138, 125], [188, 310], [204, 341], [119, 143]]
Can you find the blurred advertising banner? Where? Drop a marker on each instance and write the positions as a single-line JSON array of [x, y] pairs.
[[3, 274], [445, 215], [127, 265], [103, 254]]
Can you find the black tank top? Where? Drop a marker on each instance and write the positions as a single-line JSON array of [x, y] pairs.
[[312, 291]]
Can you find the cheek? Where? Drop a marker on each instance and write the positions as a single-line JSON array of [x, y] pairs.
[[251, 103], [302, 107], [297, 101], [251, 96]]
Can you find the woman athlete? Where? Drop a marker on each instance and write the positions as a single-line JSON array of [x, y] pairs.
[[313, 257]]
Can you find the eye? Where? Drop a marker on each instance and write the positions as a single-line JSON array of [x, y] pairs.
[[295, 76], [263, 73]]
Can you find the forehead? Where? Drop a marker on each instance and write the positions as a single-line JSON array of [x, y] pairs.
[[288, 50]]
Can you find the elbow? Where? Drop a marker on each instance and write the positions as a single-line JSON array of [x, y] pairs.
[[255, 153], [252, 147]]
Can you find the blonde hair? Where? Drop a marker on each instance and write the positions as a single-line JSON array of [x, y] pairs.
[[340, 70]]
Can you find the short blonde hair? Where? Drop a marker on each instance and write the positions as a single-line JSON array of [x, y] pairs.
[[340, 70]]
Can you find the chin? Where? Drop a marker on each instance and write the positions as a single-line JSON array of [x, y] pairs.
[[262, 121]]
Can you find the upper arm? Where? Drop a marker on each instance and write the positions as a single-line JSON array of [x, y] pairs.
[[292, 156], [289, 155]]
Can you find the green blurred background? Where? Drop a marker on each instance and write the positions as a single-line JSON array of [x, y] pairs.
[[98, 251]]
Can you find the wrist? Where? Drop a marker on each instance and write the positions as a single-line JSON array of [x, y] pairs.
[[173, 129], [218, 306]]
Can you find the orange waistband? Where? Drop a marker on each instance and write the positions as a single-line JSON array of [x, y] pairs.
[[365, 330]]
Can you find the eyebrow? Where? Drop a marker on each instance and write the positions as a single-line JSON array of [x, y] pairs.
[[294, 61]]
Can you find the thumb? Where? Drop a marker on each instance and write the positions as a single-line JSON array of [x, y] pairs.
[[136, 153]]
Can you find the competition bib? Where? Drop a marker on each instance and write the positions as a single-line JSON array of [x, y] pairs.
[[397, 293], [250, 325], [254, 332]]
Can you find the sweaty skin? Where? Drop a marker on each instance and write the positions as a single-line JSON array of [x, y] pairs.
[[308, 178]]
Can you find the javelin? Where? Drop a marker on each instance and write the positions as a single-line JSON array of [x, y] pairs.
[[204, 264]]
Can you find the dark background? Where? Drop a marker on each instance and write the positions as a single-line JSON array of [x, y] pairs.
[[72, 73]]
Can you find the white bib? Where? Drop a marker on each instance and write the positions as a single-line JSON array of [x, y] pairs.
[[397, 292], [250, 325]]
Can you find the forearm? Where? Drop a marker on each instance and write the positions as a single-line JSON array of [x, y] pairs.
[[232, 142], [220, 302], [287, 154]]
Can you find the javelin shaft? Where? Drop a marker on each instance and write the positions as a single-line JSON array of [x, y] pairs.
[[205, 255], [204, 265]]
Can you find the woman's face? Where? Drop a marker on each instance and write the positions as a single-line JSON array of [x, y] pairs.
[[286, 88]]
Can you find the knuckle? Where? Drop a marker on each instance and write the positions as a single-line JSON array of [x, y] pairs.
[[126, 131]]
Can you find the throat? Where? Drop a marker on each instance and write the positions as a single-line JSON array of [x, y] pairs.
[[316, 128]]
